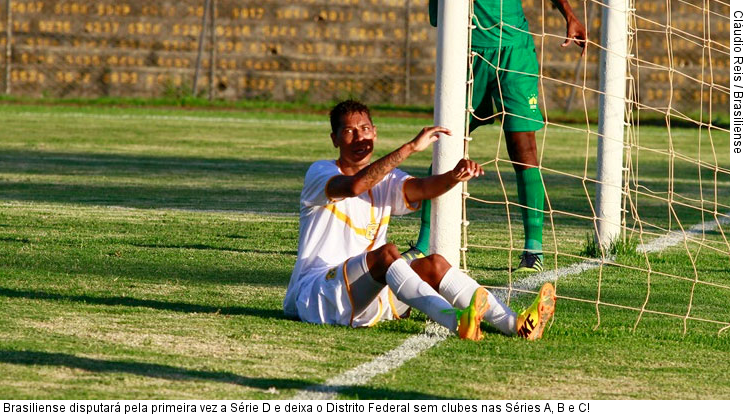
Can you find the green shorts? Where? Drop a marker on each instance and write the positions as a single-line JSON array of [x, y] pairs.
[[514, 89]]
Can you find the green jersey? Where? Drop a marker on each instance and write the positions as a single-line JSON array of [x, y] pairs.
[[488, 18]]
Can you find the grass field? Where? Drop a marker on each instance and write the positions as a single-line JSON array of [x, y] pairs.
[[144, 254]]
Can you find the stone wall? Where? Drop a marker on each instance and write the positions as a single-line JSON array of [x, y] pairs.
[[382, 51]]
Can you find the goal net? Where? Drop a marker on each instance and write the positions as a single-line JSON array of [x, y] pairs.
[[668, 264]]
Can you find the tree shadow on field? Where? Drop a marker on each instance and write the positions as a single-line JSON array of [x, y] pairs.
[[16, 240], [157, 197], [270, 185], [366, 392], [134, 267], [146, 303], [158, 371], [214, 248]]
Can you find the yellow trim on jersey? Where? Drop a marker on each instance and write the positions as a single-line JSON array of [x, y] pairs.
[[405, 199], [365, 232], [348, 292], [345, 219]]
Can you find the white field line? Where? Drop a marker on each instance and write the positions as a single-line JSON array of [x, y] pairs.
[[656, 245], [182, 118], [174, 118], [435, 333], [675, 237], [391, 360], [237, 212]]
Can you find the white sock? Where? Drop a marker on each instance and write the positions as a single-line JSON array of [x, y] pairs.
[[411, 290], [458, 288]]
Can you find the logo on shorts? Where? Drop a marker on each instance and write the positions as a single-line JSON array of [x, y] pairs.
[[533, 101], [331, 274]]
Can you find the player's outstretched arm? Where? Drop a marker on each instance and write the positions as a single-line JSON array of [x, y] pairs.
[[430, 187], [365, 179], [575, 30]]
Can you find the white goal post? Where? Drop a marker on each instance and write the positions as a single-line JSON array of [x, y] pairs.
[[612, 81], [450, 112]]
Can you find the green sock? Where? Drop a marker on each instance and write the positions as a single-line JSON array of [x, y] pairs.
[[532, 195], [423, 237]]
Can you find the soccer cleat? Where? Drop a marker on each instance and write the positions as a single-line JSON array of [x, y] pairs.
[[530, 263], [470, 318], [412, 253], [531, 322]]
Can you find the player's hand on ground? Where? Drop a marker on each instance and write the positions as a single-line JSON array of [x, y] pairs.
[[428, 136], [466, 170], [575, 32]]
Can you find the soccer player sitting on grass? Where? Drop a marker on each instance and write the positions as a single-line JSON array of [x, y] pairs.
[[346, 274]]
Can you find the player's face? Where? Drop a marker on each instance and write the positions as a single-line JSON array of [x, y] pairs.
[[355, 138]]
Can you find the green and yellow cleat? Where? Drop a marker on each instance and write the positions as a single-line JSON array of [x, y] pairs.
[[530, 263], [413, 253], [531, 322], [471, 317]]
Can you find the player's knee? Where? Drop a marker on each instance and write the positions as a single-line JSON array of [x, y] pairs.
[[380, 259], [431, 269], [439, 264], [389, 253]]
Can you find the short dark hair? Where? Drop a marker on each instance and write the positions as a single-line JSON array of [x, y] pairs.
[[347, 107]]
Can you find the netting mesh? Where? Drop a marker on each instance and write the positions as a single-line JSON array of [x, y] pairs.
[[672, 259]]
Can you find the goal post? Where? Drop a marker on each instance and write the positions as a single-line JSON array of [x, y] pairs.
[[449, 111], [611, 129]]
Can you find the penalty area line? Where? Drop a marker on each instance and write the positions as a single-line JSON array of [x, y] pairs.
[[435, 333]]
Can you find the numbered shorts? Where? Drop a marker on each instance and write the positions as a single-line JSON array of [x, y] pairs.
[[513, 88], [329, 299]]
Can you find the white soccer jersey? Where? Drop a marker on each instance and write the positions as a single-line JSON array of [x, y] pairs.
[[332, 231]]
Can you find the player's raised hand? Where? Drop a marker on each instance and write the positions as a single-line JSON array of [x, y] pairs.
[[466, 170], [575, 32], [428, 136]]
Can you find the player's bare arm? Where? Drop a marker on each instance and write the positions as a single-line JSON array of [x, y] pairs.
[[430, 187], [575, 30], [366, 178]]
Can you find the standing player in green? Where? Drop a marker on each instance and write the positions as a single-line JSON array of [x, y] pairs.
[[502, 39]]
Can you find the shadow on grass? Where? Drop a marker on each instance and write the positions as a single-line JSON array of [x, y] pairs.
[[145, 303], [16, 240], [134, 267], [157, 197], [366, 392], [159, 371], [131, 165], [258, 189], [213, 248]]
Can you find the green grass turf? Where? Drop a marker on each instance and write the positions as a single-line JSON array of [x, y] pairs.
[[144, 253]]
